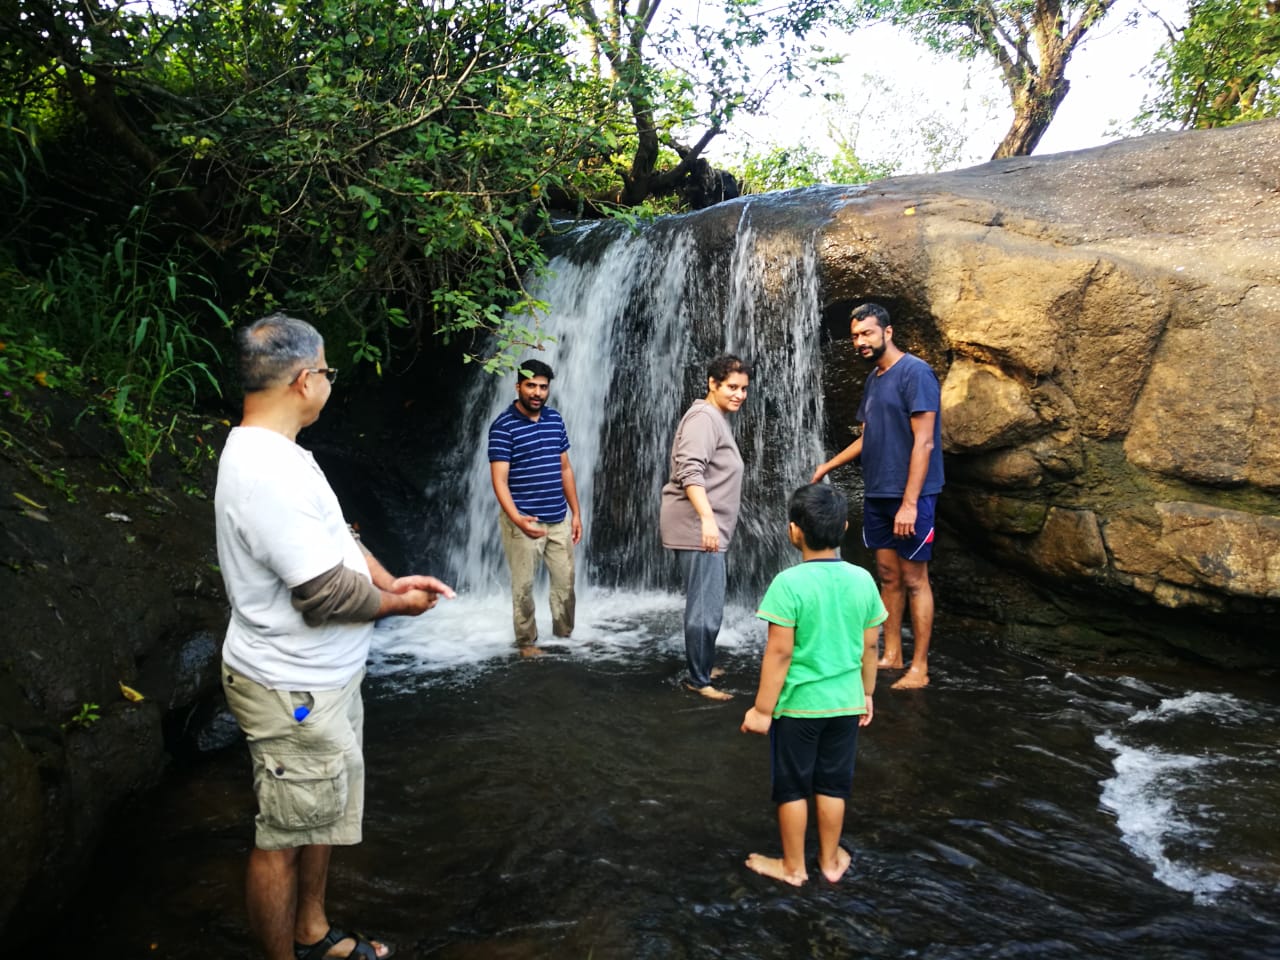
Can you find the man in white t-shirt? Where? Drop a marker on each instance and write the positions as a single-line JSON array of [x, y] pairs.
[[304, 595]]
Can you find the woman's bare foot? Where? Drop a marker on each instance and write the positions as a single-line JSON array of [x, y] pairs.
[[531, 651], [835, 871], [717, 673], [710, 692], [774, 867], [913, 679]]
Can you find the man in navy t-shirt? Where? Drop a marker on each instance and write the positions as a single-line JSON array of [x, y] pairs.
[[901, 453], [532, 478]]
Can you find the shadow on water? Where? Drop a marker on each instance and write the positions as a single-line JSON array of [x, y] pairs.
[[582, 805]]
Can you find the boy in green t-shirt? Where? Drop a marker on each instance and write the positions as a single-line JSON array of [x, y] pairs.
[[816, 680]]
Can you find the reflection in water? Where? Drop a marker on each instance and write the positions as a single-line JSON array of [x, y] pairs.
[[582, 805]]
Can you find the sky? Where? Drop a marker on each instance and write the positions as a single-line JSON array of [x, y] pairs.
[[896, 91]]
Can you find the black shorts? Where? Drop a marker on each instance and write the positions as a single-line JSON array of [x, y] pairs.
[[812, 755]]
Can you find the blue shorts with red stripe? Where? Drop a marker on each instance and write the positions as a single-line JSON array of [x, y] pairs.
[[877, 527]]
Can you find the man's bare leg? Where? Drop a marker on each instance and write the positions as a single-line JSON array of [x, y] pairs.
[[920, 598], [833, 859], [793, 817], [271, 893], [893, 595], [311, 923]]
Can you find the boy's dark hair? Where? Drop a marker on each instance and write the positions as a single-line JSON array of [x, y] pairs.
[[873, 310], [529, 369], [725, 364], [820, 511]]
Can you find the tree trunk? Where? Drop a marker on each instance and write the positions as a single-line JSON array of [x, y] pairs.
[[1033, 111]]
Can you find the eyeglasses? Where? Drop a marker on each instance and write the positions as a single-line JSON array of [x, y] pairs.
[[330, 373]]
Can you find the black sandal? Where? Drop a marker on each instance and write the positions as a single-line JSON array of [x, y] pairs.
[[363, 950]]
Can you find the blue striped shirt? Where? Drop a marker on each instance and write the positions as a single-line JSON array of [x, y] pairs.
[[533, 448]]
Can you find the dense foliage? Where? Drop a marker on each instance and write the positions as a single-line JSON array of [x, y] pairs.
[[381, 169], [1222, 68]]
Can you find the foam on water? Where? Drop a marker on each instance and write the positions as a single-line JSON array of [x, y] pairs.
[[1143, 797], [1223, 707], [473, 632], [1148, 789]]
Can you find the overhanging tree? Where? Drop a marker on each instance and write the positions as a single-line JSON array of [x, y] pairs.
[[672, 75], [1223, 67], [372, 165], [1029, 41]]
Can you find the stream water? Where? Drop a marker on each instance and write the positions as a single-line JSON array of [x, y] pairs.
[[582, 805]]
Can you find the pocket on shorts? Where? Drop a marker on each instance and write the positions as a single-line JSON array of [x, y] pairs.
[[300, 792]]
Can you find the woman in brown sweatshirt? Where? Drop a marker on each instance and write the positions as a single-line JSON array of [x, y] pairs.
[[700, 504]]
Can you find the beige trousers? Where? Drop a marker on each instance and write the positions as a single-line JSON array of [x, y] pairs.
[[523, 553]]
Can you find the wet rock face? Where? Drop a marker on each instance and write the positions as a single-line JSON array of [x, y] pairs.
[[98, 587], [1106, 326]]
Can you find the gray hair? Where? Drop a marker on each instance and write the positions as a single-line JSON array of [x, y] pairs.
[[274, 348]]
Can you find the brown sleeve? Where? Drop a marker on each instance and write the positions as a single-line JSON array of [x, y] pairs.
[[338, 594]]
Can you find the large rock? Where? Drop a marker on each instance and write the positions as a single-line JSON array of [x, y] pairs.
[[1106, 326]]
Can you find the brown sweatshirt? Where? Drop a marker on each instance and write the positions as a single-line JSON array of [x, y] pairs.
[[703, 454]]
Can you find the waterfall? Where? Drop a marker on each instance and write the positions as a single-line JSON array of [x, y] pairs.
[[636, 314]]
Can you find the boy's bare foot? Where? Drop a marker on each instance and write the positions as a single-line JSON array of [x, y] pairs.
[[774, 867], [710, 692], [836, 870], [531, 651], [913, 679], [717, 673]]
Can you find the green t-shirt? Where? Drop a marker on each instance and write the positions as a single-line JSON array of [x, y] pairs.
[[829, 603]]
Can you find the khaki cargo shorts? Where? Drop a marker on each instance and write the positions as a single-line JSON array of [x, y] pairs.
[[308, 775]]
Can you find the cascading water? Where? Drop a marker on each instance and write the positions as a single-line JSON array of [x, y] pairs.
[[636, 316]]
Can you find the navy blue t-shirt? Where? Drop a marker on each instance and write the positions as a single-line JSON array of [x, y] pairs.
[[888, 401], [533, 449]]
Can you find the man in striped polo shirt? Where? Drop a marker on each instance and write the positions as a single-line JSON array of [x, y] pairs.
[[533, 480]]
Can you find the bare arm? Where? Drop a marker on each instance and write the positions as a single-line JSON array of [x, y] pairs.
[[342, 595], [773, 674], [405, 596], [870, 657], [904, 522], [571, 495], [849, 454], [499, 472]]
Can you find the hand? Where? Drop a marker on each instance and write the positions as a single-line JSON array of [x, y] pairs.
[[414, 602], [820, 472], [865, 719], [529, 527], [577, 529], [710, 535], [904, 521], [756, 722], [417, 582]]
